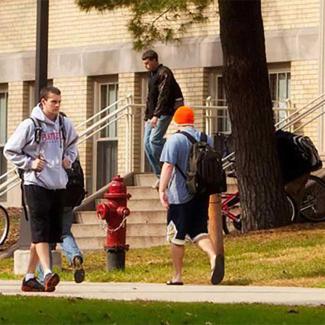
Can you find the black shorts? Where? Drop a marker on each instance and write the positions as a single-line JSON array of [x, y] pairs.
[[45, 210], [188, 220]]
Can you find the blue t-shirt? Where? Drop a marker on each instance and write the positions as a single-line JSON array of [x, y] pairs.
[[176, 151]]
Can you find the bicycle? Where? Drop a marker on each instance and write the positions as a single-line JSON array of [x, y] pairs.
[[4, 224], [312, 207]]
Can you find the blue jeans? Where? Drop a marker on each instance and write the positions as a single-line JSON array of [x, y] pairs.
[[154, 141], [69, 245]]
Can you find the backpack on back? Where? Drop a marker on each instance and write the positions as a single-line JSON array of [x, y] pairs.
[[204, 175]]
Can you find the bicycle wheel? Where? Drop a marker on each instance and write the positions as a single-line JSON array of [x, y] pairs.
[[292, 207], [4, 224], [313, 202]]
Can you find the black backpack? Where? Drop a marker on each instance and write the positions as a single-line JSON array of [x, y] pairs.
[[297, 155], [204, 174], [75, 189]]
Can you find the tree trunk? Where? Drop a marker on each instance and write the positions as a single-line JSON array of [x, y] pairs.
[[261, 188]]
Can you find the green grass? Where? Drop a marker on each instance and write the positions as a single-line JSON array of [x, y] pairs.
[[43, 310], [291, 256]]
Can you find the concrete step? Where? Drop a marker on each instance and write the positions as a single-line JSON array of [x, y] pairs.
[[142, 192], [140, 204], [145, 204], [86, 217], [91, 243], [144, 179], [146, 242], [149, 216], [137, 230], [147, 230], [97, 243]]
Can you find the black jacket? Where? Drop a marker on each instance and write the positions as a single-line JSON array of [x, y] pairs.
[[163, 90]]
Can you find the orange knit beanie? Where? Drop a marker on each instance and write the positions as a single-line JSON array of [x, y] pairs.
[[184, 115]]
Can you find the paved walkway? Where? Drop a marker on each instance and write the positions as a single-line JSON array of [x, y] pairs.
[[186, 293]]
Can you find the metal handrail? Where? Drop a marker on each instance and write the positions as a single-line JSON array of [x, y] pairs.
[[290, 121], [104, 110], [302, 113], [7, 173]]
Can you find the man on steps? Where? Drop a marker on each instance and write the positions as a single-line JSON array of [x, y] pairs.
[[164, 96]]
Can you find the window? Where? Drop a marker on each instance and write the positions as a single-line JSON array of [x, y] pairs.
[[279, 83], [218, 115], [106, 143], [108, 96], [279, 87]]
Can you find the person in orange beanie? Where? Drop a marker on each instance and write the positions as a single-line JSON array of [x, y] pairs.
[[187, 215]]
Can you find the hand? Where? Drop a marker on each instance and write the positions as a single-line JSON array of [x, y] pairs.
[[66, 163], [38, 164], [164, 199], [154, 121]]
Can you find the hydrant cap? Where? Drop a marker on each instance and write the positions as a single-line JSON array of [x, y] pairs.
[[116, 189]]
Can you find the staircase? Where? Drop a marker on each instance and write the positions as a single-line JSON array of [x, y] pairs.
[[146, 224]]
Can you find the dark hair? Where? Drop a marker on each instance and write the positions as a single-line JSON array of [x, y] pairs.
[[150, 54], [49, 89]]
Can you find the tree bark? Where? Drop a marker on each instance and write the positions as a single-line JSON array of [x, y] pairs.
[[261, 188]]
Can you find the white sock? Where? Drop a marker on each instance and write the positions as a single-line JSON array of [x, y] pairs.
[[29, 276], [46, 272]]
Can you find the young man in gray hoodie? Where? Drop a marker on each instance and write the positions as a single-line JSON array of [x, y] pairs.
[[44, 155]]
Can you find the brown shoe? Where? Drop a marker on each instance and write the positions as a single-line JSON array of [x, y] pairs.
[[32, 285], [78, 271], [156, 185], [51, 280]]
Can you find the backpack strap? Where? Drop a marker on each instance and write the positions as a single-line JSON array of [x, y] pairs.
[[38, 130], [203, 137], [188, 136], [192, 140], [62, 127]]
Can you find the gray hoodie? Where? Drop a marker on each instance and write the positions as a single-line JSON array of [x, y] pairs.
[[21, 149]]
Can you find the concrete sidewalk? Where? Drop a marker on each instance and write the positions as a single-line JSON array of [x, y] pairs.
[[186, 293]]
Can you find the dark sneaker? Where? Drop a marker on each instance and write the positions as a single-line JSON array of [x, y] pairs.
[[218, 271], [78, 271], [32, 285], [51, 280]]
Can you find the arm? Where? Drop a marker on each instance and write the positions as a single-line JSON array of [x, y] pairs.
[[165, 176], [13, 150], [70, 151], [165, 91]]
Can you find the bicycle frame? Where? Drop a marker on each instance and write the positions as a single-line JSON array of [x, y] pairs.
[[226, 204]]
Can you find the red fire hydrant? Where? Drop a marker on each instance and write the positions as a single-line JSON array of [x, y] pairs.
[[115, 211]]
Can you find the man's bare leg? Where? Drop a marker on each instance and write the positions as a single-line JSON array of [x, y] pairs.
[[33, 259], [206, 245], [177, 253]]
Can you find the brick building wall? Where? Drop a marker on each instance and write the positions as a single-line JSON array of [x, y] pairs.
[[70, 27], [304, 89]]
